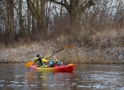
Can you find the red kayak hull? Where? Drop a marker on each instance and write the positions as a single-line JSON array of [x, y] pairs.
[[61, 68]]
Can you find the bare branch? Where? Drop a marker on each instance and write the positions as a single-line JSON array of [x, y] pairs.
[[87, 5], [65, 4], [56, 2]]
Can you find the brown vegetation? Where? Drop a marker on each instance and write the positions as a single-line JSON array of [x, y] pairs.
[[98, 37]]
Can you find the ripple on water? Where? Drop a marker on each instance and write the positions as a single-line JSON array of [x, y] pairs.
[[80, 86], [84, 78], [1, 85], [2, 80]]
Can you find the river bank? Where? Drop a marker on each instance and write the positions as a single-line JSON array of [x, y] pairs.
[[104, 47], [75, 54]]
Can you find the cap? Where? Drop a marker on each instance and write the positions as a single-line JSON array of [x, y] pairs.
[[38, 55]]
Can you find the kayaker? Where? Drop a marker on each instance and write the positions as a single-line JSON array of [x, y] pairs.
[[54, 61], [38, 59], [42, 60]]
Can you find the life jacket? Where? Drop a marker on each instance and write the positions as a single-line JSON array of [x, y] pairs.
[[53, 62], [43, 60]]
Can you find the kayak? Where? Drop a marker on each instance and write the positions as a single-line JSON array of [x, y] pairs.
[[61, 68]]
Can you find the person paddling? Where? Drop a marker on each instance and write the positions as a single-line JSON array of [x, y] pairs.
[[47, 58], [38, 59], [54, 61], [42, 60]]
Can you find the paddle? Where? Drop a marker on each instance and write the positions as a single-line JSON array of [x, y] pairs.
[[66, 47], [28, 64]]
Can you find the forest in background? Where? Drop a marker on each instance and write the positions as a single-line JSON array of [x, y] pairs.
[[72, 20], [93, 24]]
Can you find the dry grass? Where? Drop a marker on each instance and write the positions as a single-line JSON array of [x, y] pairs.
[[74, 55], [107, 42], [113, 37]]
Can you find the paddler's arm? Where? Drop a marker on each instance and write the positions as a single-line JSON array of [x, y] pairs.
[[35, 59], [48, 56]]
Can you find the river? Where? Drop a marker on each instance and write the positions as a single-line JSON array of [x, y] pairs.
[[85, 77]]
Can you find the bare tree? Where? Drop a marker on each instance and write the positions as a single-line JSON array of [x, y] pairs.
[[36, 14], [75, 8], [58, 18]]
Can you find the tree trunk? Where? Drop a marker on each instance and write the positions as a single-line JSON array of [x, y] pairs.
[[22, 32], [37, 16], [43, 16], [10, 16], [75, 15], [33, 23], [29, 21], [37, 7]]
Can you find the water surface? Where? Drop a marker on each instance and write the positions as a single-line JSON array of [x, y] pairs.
[[85, 77]]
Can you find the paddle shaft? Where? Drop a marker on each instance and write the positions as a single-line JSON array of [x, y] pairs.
[[59, 50], [69, 46]]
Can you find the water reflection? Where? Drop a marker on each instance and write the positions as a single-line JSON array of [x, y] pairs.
[[49, 80], [11, 76], [85, 77]]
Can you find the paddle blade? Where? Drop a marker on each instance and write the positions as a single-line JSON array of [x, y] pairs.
[[69, 46], [29, 64]]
